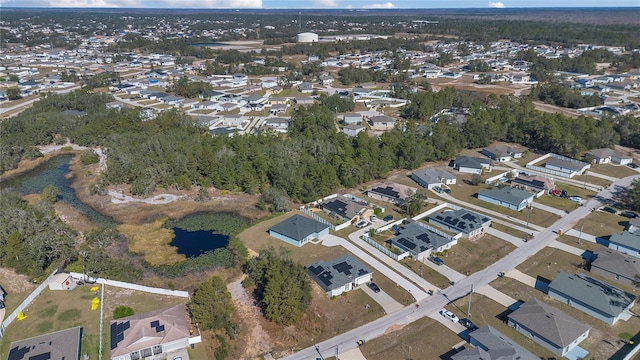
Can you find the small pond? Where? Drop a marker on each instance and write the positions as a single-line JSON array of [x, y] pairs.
[[54, 172], [195, 243]]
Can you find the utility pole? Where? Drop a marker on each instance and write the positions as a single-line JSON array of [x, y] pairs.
[[469, 308], [529, 216]]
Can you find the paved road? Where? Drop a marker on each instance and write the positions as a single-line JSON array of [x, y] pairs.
[[27, 103], [430, 305]]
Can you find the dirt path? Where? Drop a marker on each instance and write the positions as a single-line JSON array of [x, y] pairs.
[[258, 341]]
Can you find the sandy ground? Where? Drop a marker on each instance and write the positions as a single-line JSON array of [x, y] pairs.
[[258, 341]]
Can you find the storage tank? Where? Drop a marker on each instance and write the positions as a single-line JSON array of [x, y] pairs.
[[307, 37]]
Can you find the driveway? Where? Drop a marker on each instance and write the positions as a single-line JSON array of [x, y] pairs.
[[582, 235], [550, 209], [387, 302], [504, 236], [453, 326], [568, 248], [522, 277], [500, 297], [332, 240]]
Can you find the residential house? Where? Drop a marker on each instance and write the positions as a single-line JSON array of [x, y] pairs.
[[305, 87], [353, 129], [212, 95], [392, 192], [628, 242], [278, 101], [536, 183], [471, 165], [549, 327], [326, 80], [430, 178], [171, 100], [606, 155], [62, 281], [509, 197], [360, 91], [466, 222], [232, 120], [339, 275], [63, 344], [561, 166], [422, 240], [151, 335], [114, 105], [352, 118], [346, 209], [278, 108], [240, 79], [304, 100], [269, 83], [593, 297], [616, 266], [490, 344], [382, 122], [502, 153], [277, 123], [298, 230]]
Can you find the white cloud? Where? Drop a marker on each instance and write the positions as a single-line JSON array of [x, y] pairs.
[[387, 5], [496, 4], [205, 4], [325, 3], [73, 3]]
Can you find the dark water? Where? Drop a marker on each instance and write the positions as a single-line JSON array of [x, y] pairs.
[[196, 243], [53, 172]]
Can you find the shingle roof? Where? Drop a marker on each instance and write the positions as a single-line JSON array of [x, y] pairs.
[[344, 207], [628, 239], [471, 162], [617, 263], [507, 194], [335, 273], [63, 344], [499, 347], [298, 227], [463, 220], [549, 322], [593, 293], [417, 238], [432, 176]]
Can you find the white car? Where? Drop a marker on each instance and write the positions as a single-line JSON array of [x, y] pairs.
[[576, 199], [361, 224], [449, 315]]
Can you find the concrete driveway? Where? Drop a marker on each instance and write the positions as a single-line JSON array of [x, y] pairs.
[[500, 297], [522, 277], [507, 237], [387, 302], [568, 248], [332, 240]]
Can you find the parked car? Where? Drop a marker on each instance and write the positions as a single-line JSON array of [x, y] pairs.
[[610, 210], [438, 189], [576, 199], [632, 165], [436, 260], [388, 218], [360, 224], [374, 218], [447, 190], [468, 324], [629, 214], [449, 315], [373, 287]]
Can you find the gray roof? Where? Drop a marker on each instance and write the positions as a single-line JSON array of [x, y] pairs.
[[344, 207], [471, 162], [549, 323], [463, 220], [617, 263], [501, 150], [63, 344], [381, 119], [499, 347], [628, 239], [417, 239], [335, 273], [507, 194], [298, 227], [432, 176], [574, 165], [593, 293]]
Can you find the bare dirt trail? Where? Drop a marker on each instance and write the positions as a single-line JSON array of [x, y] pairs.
[[258, 341]]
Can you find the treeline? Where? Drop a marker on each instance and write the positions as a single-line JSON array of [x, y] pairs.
[[313, 159], [557, 94]]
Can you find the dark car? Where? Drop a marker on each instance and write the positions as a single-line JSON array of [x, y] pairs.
[[632, 165], [436, 260], [468, 324], [388, 218], [373, 287], [629, 214], [609, 210], [447, 190]]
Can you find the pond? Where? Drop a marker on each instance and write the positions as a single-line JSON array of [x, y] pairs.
[[195, 243], [54, 172]]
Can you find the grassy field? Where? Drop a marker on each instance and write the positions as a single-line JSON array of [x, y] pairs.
[[422, 339], [428, 273], [573, 190], [582, 244], [590, 179], [600, 223], [152, 240], [603, 340], [59, 310], [557, 202], [619, 171], [548, 262], [470, 256], [509, 230]]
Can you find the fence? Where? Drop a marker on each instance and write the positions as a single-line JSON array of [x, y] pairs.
[[125, 285], [437, 208], [26, 302], [320, 219], [384, 250]]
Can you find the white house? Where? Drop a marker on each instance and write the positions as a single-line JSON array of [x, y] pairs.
[[339, 275]]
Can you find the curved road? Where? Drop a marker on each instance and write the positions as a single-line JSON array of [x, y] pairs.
[[430, 305]]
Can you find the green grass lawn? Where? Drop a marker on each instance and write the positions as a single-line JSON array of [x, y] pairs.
[[600, 223], [548, 262], [619, 171]]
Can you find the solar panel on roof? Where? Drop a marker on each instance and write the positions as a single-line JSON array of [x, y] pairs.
[[160, 328], [126, 325], [423, 237], [155, 323], [362, 272], [387, 191], [326, 278], [315, 270], [45, 356], [407, 243], [343, 267], [17, 353]]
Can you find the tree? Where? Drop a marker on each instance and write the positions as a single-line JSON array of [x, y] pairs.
[[211, 305], [50, 194], [13, 94], [476, 179], [415, 202]]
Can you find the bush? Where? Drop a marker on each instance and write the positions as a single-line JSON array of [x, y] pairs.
[[89, 157], [122, 311]]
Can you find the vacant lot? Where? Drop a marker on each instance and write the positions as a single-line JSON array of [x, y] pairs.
[[548, 262], [581, 244], [428, 273], [557, 202], [18, 287], [603, 340], [422, 339], [600, 223], [470, 256], [619, 171]]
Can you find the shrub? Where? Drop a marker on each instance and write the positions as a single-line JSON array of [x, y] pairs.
[[122, 311], [89, 157]]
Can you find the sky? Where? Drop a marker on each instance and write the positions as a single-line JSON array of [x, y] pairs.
[[338, 4]]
